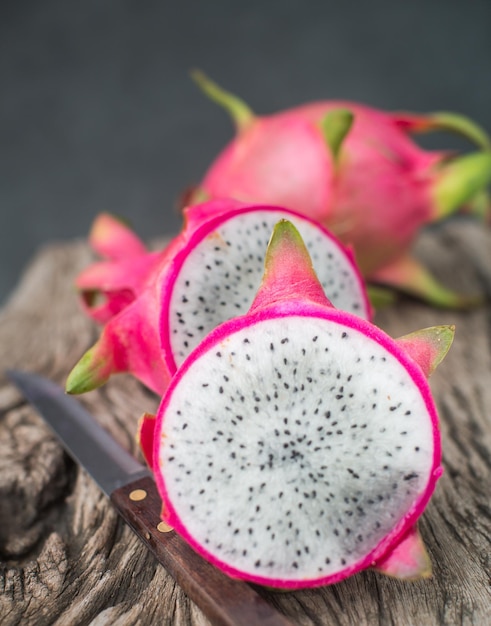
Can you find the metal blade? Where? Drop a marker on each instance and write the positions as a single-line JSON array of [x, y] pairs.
[[110, 465]]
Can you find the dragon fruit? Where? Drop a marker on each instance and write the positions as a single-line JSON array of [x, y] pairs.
[[354, 169], [299, 444], [157, 306]]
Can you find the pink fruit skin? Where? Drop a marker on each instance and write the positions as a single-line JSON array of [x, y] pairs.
[[292, 289], [327, 312], [130, 269], [376, 198]]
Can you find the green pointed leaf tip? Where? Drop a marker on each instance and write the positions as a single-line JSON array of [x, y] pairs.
[[459, 180], [284, 232], [89, 373], [239, 111], [429, 346], [335, 127], [287, 248], [461, 125], [288, 273]]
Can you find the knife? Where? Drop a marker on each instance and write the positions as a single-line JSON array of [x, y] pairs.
[[132, 491]]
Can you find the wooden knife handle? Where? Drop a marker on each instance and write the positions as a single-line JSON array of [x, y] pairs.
[[224, 600]]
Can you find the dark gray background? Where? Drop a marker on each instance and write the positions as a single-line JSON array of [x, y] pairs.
[[97, 110]]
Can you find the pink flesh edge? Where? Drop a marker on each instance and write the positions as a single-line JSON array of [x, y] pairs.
[[299, 309], [200, 234]]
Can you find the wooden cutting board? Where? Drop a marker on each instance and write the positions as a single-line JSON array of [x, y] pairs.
[[66, 558]]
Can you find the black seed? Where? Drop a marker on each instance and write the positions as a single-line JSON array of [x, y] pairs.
[[410, 476]]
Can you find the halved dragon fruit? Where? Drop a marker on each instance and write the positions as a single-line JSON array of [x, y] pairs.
[[208, 274], [354, 169], [298, 444], [217, 275]]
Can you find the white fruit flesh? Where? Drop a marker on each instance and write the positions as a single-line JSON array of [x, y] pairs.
[[292, 447], [221, 275]]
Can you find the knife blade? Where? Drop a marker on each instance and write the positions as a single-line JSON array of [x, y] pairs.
[[132, 491]]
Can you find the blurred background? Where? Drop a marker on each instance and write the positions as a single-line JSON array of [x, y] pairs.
[[98, 112]]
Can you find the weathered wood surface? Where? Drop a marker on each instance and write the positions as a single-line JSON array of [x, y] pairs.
[[66, 558]]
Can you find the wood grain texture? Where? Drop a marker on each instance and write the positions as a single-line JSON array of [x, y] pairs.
[[224, 600], [66, 557]]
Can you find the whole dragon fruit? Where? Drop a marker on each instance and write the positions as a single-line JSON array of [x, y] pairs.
[[354, 169], [299, 444], [157, 306]]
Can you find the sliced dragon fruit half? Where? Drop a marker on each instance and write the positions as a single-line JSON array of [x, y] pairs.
[[298, 444], [216, 276]]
